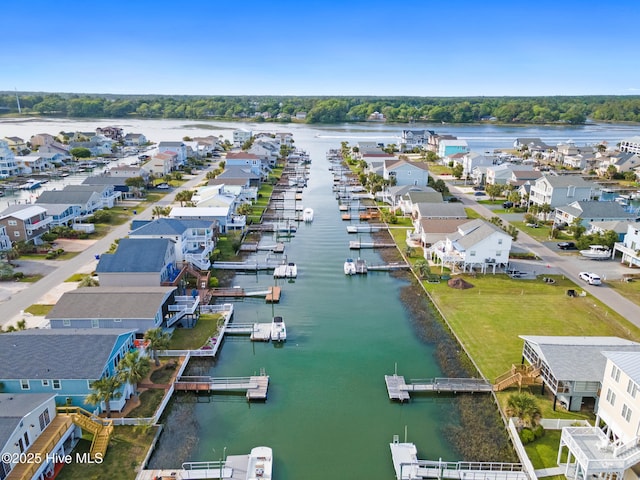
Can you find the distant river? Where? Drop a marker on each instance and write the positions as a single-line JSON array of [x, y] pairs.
[[327, 415]]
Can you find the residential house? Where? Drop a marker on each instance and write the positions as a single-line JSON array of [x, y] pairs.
[[194, 239], [631, 145], [609, 449], [41, 139], [30, 361], [403, 197], [375, 160], [87, 199], [376, 117], [240, 136], [30, 426], [225, 216], [285, 138], [139, 262], [114, 133], [17, 145], [630, 246], [532, 144], [55, 148], [61, 214], [450, 147], [135, 139], [410, 139], [267, 150], [8, 164], [622, 162], [128, 171], [471, 160], [239, 188], [301, 116], [238, 172], [438, 210], [588, 211], [5, 240], [25, 223], [521, 176], [34, 162], [556, 190], [406, 173], [429, 231], [433, 142], [500, 174], [161, 164], [137, 308], [179, 148], [477, 244], [98, 145], [117, 183], [620, 227], [245, 160]]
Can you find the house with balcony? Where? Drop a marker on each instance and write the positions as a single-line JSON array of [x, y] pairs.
[[226, 217], [17, 144], [611, 448], [630, 246], [86, 200], [451, 147], [30, 361], [34, 162], [631, 145], [471, 160], [410, 139], [25, 223], [405, 172], [556, 190], [134, 140], [622, 162], [194, 239], [114, 183], [530, 144], [177, 148], [30, 424], [5, 241], [572, 368], [239, 172], [137, 308], [56, 148], [238, 188], [475, 245], [8, 164], [245, 160], [139, 262], [161, 164], [61, 214], [404, 197], [241, 136], [589, 211]]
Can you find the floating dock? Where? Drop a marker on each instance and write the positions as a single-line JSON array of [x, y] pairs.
[[365, 228], [398, 388], [358, 245], [272, 294], [258, 332]]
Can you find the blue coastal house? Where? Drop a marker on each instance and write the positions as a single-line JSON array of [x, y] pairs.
[[63, 363], [406, 173]]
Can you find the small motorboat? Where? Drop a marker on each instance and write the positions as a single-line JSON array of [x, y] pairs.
[[349, 267], [260, 464], [597, 252], [278, 330], [307, 215]]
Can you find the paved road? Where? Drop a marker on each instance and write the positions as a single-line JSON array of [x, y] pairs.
[[12, 308], [568, 265]]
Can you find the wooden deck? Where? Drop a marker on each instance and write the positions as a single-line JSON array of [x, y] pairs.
[[274, 295], [255, 387]]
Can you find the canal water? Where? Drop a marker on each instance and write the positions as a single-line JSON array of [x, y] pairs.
[[327, 413]]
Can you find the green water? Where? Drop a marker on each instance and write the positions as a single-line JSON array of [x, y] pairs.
[[327, 414]]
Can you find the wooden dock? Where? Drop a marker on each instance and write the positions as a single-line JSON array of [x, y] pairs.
[[274, 295], [365, 228], [255, 387], [258, 332], [398, 388], [358, 245]]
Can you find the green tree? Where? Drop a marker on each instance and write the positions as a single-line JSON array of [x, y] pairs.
[[457, 170], [524, 406], [244, 209], [105, 390], [493, 190], [158, 341], [133, 368], [80, 152], [137, 182], [422, 267], [514, 197], [184, 196], [545, 209]]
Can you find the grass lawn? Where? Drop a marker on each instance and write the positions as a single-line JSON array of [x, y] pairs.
[[541, 234], [629, 290], [543, 452], [38, 309], [30, 278], [127, 448], [489, 317], [149, 402], [194, 338], [472, 214], [76, 277]]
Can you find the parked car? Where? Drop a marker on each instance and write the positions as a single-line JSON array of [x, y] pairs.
[[478, 188], [162, 186], [566, 246], [532, 225], [507, 204], [479, 194], [590, 278]]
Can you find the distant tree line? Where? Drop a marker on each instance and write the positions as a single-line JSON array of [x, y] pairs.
[[523, 110]]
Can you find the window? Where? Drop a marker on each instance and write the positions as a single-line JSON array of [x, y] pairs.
[[632, 388], [57, 385], [45, 383], [472, 253], [16, 234], [499, 241], [12, 223], [117, 320], [24, 384], [95, 323], [44, 419], [66, 322], [626, 412], [615, 373], [611, 397]]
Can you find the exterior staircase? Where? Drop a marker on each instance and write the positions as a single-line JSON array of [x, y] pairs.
[[519, 374], [100, 428]]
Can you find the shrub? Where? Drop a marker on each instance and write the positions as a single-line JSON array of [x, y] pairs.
[[538, 431], [527, 436], [213, 282], [18, 275]]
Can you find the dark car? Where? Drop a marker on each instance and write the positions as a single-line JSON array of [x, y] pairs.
[[479, 194], [507, 205], [566, 246]]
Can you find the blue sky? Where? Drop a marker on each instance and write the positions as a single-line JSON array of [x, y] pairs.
[[333, 47]]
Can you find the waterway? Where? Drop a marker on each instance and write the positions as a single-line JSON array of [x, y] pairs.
[[327, 414]]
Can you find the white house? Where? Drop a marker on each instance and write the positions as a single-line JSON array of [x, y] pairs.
[[240, 136], [589, 211], [8, 165], [630, 246], [225, 216], [410, 139], [631, 145], [179, 148], [471, 160], [557, 190], [475, 244]]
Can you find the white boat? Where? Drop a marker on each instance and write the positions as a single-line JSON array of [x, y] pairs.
[[307, 215], [260, 464], [31, 185], [596, 252], [349, 267], [278, 330]]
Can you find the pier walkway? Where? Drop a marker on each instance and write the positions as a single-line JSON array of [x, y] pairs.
[[272, 294], [398, 388], [357, 245], [258, 332], [255, 387]]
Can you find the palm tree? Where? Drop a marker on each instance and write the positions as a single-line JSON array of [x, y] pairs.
[[133, 368], [184, 196], [105, 390], [88, 281], [545, 209], [158, 340], [525, 407]]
